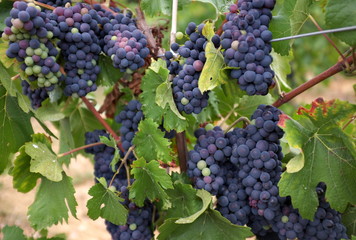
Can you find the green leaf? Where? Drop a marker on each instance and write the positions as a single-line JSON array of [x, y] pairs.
[[150, 108], [335, 18], [329, 156], [109, 75], [291, 17], [281, 67], [207, 224], [12, 233], [157, 7], [184, 201], [50, 112], [106, 204], [66, 141], [151, 181], [111, 143], [15, 127], [221, 6], [208, 30], [52, 202], [44, 161], [164, 96], [210, 76], [150, 142], [349, 220], [23, 179], [5, 7], [82, 121]]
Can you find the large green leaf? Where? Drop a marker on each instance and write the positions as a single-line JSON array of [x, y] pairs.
[[52, 202], [106, 204], [150, 143], [15, 127], [206, 223], [289, 21], [12, 233], [151, 181], [156, 7], [329, 156], [349, 220], [109, 75], [341, 13]]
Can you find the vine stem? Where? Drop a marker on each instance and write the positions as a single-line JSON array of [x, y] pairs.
[[241, 119], [338, 67], [174, 21], [103, 122], [78, 149], [349, 122], [327, 37], [123, 162]]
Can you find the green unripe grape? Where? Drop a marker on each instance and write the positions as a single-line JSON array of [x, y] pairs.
[[47, 84], [112, 57], [19, 36], [44, 55], [43, 40], [114, 38], [31, 5], [26, 35], [14, 30], [40, 84], [53, 80], [80, 71], [285, 219], [49, 75], [209, 126], [49, 35], [40, 75], [4, 36], [29, 51], [75, 95], [43, 47], [38, 51], [93, 61], [38, 8], [29, 61], [112, 188], [29, 71], [179, 35], [206, 172], [201, 164], [41, 80], [243, 32], [12, 38], [37, 69], [266, 227], [133, 226], [184, 101], [58, 74], [74, 30], [234, 45], [90, 83]]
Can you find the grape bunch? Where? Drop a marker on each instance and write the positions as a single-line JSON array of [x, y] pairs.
[[123, 42], [139, 220], [77, 29], [187, 95], [29, 35], [246, 41], [36, 96]]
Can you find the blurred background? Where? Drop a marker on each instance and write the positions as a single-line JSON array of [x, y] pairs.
[[310, 57]]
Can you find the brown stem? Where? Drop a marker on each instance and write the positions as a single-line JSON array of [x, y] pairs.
[[349, 122], [338, 67], [16, 76], [327, 37], [123, 162], [147, 31], [43, 5], [78, 149], [241, 119], [103, 122], [182, 151]]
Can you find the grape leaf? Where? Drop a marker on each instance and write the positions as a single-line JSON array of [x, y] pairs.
[[221, 6], [207, 224], [281, 67], [12, 233], [82, 121], [156, 7], [150, 143], [106, 204], [334, 18], [349, 220], [211, 76], [109, 75], [329, 156], [150, 108], [52, 202], [289, 20], [111, 143], [184, 201], [23, 179], [151, 181], [49, 112], [66, 141], [44, 161], [15, 126]]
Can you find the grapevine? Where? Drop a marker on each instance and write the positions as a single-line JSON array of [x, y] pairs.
[[201, 135]]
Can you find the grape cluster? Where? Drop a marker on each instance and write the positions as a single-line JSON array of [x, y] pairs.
[[29, 35], [246, 40], [124, 42], [139, 219], [77, 28], [36, 96], [187, 95]]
